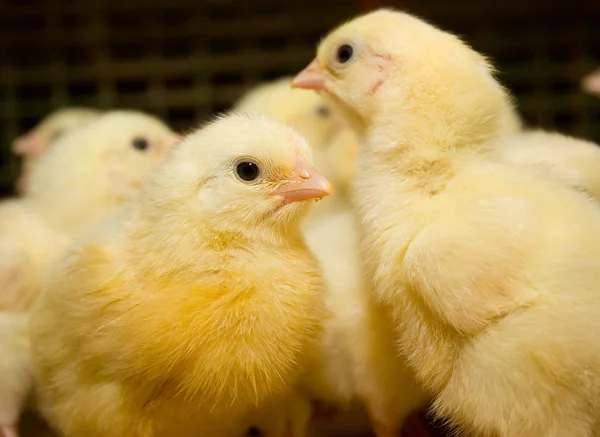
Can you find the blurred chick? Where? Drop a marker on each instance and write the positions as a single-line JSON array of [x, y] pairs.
[[35, 142], [86, 175], [16, 369], [572, 160], [490, 270], [357, 362], [198, 304], [333, 144]]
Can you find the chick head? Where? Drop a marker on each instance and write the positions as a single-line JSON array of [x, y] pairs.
[[92, 169], [239, 173], [37, 140], [34, 143], [390, 68], [305, 111]]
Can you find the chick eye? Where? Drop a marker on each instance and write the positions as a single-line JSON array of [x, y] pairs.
[[323, 111], [140, 143], [344, 53], [247, 171], [56, 135]]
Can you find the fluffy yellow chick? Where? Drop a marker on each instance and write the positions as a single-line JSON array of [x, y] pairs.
[[333, 144], [490, 270], [35, 142], [357, 365], [198, 304], [86, 175], [573, 160], [17, 373]]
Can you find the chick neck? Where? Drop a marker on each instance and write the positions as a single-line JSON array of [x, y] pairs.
[[427, 126], [180, 243]]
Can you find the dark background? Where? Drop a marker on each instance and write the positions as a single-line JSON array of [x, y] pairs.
[[185, 59]]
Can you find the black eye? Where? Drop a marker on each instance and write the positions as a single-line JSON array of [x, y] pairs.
[[56, 135], [323, 111], [344, 53], [247, 171], [253, 432], [140, 143]]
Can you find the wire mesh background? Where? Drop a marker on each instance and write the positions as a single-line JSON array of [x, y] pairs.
[[186, 59]]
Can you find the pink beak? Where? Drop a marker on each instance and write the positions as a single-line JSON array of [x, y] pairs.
[[311, 78], [174, 140], [8, 431], [27, 145], [169, 145], [310, 184], [591, 83]]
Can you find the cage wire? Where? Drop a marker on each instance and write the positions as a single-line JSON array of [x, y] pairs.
[[184, 60]]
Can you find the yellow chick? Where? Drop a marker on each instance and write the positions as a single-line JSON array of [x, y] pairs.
[[333, 143], [82, 179], [489, 270], [16, 367], [107, 159], [35, 142], [573, 160], [197, 305]]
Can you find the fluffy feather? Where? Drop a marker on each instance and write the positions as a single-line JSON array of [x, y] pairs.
[[15, 365], [572, 160]]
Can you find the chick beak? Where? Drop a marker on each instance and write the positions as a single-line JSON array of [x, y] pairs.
[[168, 145], [174, 140], [311, 78], [309, 184], [27, 145]]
